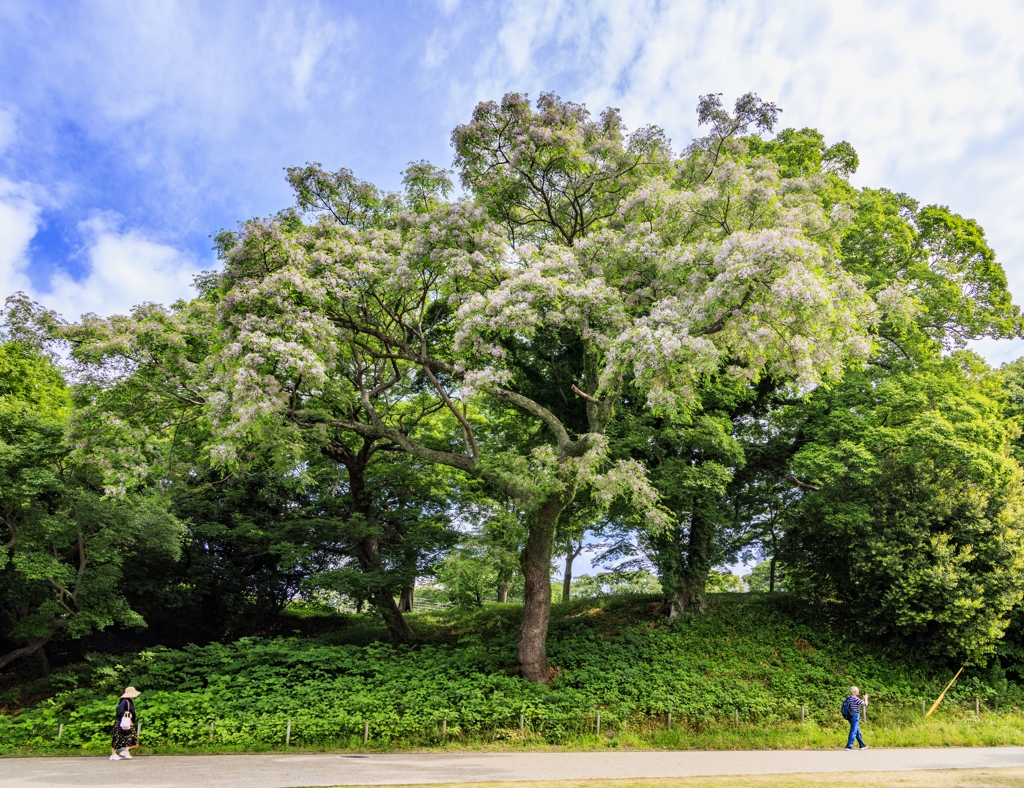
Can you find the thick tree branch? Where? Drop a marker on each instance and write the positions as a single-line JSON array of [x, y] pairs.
[[553, 423], [33, 646]]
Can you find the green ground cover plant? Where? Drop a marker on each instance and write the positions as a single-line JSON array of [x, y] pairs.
[[756, 670]]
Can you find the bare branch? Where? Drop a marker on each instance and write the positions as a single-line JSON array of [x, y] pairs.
[[799, 483], [585, 396]]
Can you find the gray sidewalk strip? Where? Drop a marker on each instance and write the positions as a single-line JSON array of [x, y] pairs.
[[290, 770]]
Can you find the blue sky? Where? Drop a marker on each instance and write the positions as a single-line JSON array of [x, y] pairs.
[[131, 131]]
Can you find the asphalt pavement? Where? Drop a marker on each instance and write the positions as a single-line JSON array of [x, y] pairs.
[[290, 770]]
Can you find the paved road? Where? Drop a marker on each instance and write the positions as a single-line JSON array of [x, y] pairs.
[[286, 771]]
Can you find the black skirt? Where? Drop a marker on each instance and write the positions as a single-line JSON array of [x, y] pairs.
[[121, 739]]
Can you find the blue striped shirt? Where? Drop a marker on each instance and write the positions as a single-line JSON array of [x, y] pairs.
[[856, 704]]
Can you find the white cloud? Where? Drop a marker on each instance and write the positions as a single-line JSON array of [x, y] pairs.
[[998, 352], [122, 267], [19, 221], [125, 268]]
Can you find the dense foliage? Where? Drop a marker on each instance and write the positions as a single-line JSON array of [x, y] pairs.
[[65, 542]]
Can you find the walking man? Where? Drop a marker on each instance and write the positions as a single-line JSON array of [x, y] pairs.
[[852, 708]]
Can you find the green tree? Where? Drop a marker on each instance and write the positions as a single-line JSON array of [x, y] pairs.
[[611, 583], [294, 509], [912, 507], [691, 464], [936, 285], [763, 578], [66, 541]]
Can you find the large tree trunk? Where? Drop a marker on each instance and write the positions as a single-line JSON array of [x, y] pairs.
[[503, 592], [42, 662], [532, 652], [697, 565], [687, 574], [405, 604], [398, 628]]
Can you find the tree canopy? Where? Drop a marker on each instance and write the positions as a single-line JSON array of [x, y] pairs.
[[698, 356]]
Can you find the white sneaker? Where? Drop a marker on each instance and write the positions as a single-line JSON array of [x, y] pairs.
[[114, 756], [125, 754]]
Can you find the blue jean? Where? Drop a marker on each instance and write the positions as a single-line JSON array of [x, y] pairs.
[[854, 732]]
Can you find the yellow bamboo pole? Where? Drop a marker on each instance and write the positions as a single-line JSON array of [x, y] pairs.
[[939, 699]]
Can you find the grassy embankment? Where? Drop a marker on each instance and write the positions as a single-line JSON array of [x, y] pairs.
[[740, 676]]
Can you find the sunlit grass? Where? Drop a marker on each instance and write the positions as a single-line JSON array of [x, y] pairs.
[[949, 778]]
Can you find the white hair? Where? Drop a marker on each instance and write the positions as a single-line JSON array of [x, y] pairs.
[[854, 690]]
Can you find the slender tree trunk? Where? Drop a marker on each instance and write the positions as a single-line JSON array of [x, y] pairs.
[[503, 592], [532, 651], [369, 548], [405, 604], [567, 572], [771, 566], [669, 552], [383, 599]]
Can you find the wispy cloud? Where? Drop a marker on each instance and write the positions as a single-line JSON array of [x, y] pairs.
[[20, 209]]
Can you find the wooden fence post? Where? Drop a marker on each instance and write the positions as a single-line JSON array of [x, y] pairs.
[[288, 734], [670, 720], [736, 716], [599, 723], [522, 723], [211, 731], [803, 713], [865, 712], [922, 708], [366, 731], [977, 707], [60, 731], [444, 727]]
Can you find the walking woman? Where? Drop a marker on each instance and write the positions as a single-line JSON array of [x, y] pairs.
[[124, 738]]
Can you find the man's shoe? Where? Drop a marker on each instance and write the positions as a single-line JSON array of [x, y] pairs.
[[114, 756], [850, 749], [125, 754], [864, 747]]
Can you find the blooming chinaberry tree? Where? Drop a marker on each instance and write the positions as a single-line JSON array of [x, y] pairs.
[[584, 258]]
